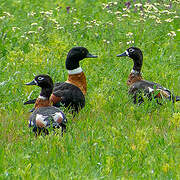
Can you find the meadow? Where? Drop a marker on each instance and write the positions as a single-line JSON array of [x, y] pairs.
[[111, 138]]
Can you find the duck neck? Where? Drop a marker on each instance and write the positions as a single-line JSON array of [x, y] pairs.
[[46, 92], [43, 98], [72, 63], [138, 60], [77, 78], [134, 76]]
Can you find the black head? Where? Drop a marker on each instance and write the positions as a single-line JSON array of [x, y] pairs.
[[45, 82], [42, 80], [135, 54], [75, 55]]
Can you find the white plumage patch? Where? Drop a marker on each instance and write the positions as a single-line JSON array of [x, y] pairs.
[[57, 116], [75, 71], [127, 53], [40, 78], [35, 82], [40, 120], [134, 71], [150, 90], [162, 92], [42, 97]]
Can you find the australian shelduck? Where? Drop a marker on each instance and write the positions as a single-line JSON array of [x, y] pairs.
[[45, 116], [138, 85]]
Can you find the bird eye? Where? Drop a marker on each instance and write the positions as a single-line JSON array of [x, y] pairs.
[[40, 78], [131, 50]]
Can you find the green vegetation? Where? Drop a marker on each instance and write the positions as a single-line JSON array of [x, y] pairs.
[[111, 138]]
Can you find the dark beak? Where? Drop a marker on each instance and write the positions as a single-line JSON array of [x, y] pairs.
[[32, 83], [91, 56], [121, 55]]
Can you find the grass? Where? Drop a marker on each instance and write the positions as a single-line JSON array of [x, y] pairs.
[[111, 138]]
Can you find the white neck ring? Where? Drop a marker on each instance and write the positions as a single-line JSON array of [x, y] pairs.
[[75, 71], [135, 72], [42, 97]]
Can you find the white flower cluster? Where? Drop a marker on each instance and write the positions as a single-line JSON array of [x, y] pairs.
[[171, 34]]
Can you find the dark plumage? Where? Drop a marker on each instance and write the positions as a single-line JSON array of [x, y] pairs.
[[71, 94], [137, 84], [75, 55], [45, 116]]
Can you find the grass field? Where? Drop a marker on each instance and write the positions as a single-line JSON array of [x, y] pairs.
[[111, 138]]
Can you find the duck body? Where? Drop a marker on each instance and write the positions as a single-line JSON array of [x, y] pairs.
[[71, 93], [69, 96], [137, 84], [45, 116], [150, 90]]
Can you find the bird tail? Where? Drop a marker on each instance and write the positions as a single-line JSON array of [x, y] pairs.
[[177, 98], [31, 101]]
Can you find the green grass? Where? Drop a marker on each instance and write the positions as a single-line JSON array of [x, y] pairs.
[[111, 138]]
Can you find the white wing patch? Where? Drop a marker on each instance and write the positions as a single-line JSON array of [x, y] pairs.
[[57, 116], [40, 120], [162, 92], [150, 90]]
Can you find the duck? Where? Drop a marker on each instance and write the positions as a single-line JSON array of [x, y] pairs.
[[45, 116], [137, 84], [71, 93]]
